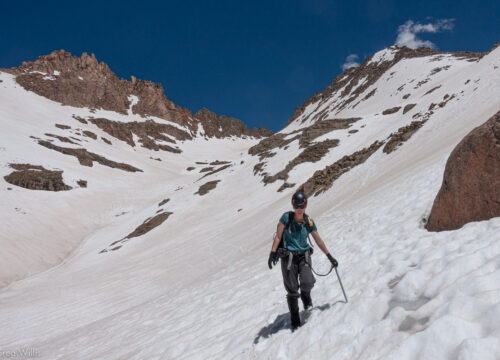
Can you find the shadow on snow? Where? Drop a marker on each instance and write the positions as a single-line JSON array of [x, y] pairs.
[[282, 321]]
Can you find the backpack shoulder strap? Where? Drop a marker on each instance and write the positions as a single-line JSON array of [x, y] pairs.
[[309, 223], [291, 215]]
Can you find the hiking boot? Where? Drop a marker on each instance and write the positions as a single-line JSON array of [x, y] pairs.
[[306, 299], [293, 306]]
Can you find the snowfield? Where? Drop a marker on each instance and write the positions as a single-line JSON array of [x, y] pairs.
[[198, 285]]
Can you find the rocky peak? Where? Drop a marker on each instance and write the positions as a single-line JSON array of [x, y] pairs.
[[222, 126], [85, 82]]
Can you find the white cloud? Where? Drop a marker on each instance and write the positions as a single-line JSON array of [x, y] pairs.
[[407, 33], [350, 61]]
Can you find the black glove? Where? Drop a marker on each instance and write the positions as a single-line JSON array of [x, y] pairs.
[[332, 260], [273, 259]]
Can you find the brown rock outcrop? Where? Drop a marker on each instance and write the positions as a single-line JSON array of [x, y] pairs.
[[471, 182], [36, 177], [224, 126]]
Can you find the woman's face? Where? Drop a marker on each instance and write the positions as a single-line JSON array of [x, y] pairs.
[[300, 211]]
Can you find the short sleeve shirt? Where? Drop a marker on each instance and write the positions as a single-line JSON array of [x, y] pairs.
[[295, 237]]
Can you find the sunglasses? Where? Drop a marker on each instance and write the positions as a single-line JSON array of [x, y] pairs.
[[299, 206]]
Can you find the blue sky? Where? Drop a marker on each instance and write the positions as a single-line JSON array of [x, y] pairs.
[[253, 60]]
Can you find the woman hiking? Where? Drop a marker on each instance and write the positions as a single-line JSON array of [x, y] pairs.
[[295, 254]]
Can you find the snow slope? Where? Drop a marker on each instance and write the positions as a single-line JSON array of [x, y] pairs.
[[198, 286]]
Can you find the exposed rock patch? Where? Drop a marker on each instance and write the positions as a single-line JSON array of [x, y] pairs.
[[148, 225], [64, 127], [305, 136], [87, 158], [391, 110], [408, 108], [313, 153], [324, 127], [322, 180], [36, 177], [224, 126], [399, 137], [145, 130], [80, 119], [61, 138], [89, 134], [219, 162], [471, 182], [163, 202], [370, 94], [215, 171], [270, 143], [82, 183], [285, 186], [433, 89], [205, 188]]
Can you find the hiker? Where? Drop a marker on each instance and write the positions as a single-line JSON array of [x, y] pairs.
[[295, 254]]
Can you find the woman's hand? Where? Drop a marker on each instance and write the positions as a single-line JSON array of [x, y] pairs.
[[273, 259]]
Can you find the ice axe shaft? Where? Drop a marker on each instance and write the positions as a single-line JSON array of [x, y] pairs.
[[341, 286]]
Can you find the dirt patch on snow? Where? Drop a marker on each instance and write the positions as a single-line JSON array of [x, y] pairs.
[[36, 177]]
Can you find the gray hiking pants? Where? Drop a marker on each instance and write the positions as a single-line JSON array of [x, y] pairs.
[[299, 275]]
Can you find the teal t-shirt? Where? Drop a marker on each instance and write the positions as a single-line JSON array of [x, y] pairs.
[[295, 238]]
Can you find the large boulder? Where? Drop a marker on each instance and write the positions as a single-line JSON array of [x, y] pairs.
[[471, 184]]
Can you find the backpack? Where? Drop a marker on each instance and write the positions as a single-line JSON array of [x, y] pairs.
[[291, 215]]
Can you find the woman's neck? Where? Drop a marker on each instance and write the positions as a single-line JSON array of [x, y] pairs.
[[299, 218]]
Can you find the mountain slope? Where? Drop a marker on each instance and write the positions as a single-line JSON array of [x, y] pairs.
[[197, 285]]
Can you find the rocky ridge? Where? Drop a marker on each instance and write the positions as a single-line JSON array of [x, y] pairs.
[[85, 82], [366, 74]]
